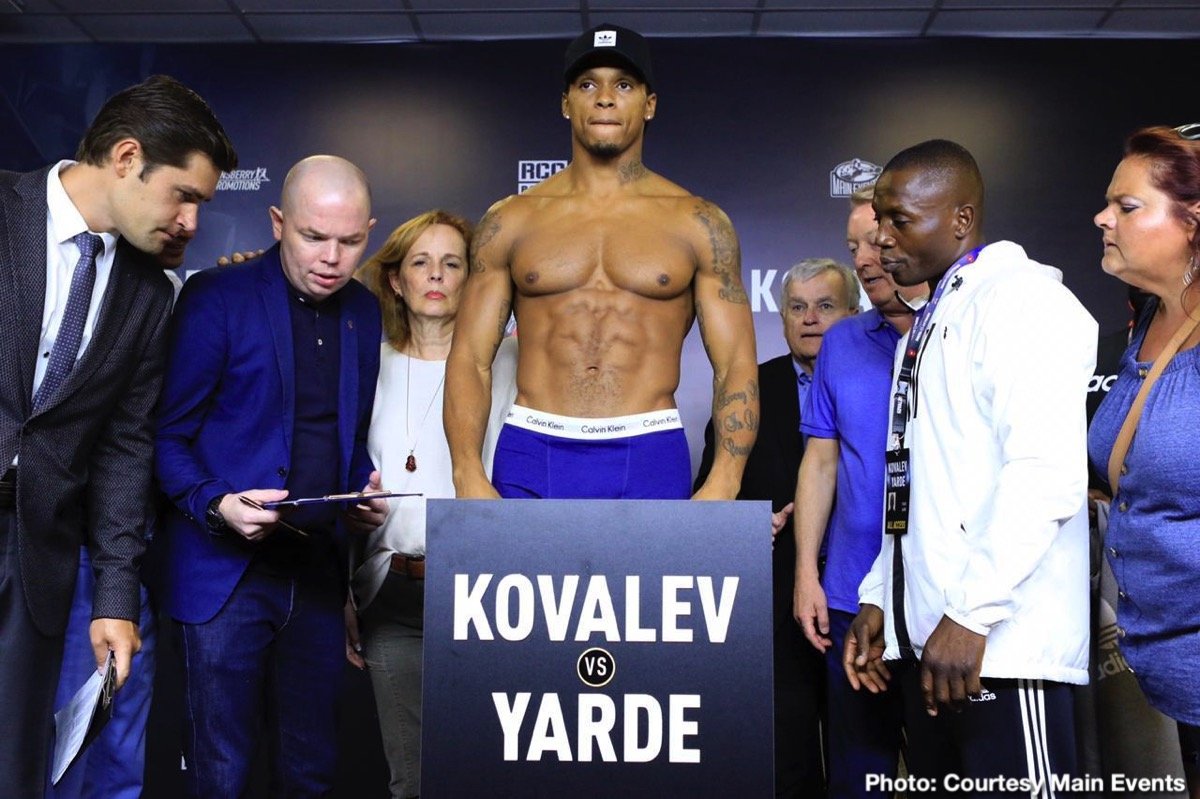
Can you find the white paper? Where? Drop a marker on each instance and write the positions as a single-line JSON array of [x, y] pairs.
[[80, 715]]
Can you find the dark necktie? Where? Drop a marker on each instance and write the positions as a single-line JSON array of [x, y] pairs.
[[70, 330]]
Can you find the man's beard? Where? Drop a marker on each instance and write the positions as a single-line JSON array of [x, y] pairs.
[[603, 149]]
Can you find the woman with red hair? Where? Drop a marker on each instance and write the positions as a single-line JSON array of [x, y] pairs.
[[1144, 435]]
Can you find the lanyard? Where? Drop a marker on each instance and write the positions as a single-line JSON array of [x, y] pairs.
[[915, 339], [896, 459]]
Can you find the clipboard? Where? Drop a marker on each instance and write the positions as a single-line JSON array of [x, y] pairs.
[[353, 496]]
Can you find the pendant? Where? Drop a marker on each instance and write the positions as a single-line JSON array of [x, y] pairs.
[[411, 463]]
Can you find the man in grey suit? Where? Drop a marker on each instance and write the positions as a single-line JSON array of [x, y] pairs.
[[83, 314]]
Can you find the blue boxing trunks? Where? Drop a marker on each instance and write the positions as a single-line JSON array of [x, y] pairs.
[[547, 456]]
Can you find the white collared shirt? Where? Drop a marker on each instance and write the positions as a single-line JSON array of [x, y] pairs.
[[63, 223]]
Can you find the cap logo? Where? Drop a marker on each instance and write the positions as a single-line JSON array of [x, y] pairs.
[[604, 39]]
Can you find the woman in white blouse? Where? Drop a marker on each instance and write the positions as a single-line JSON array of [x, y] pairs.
[[418, 276]]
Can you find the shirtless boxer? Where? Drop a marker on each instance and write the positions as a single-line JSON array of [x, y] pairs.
[[605, 265]]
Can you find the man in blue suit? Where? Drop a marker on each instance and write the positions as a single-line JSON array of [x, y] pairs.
[[268, 394]]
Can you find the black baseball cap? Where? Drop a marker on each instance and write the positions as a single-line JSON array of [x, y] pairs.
[[609, 44]]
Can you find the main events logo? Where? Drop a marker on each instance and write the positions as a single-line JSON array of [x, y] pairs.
[[531, 173], [243, 179], [850, 176]]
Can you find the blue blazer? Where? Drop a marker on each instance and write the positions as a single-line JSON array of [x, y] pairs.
[[227, 410]]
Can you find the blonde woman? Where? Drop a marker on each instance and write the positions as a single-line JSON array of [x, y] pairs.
[[418, 276]]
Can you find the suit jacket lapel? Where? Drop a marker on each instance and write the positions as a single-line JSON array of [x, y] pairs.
[[793, 402], [783, 376], [279, 320], [23, 293]]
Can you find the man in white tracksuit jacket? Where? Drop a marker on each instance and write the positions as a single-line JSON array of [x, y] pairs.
[[986, 612]]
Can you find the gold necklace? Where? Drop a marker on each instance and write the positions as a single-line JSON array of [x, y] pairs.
[[410, 463]]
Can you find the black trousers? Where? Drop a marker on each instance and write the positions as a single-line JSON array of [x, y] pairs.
[[29, 665], [799, 712], [1017, 730]]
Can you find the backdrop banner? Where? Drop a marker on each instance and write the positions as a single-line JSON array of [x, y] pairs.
[[571, 645]]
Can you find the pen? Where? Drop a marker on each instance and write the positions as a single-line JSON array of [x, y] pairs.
[[247, 501]]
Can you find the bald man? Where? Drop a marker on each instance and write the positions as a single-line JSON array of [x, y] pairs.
[[268, 395], [978, 600]]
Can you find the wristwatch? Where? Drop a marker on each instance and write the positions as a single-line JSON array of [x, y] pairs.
[[212, 515]]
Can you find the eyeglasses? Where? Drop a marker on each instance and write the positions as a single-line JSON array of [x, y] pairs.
[[1190, 132]]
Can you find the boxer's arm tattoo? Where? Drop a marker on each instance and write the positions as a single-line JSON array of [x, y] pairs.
[[726, 329], [505, 312], [489, 226], [726, 257], [735, 420], [723, 398], [736, 449], [733, 424]]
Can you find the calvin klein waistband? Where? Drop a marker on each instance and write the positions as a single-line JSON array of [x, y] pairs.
[[553, 424]]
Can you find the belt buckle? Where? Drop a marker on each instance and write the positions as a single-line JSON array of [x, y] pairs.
[[413, 566]]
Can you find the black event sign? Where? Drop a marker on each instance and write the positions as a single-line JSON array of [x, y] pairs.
[[582, 648]]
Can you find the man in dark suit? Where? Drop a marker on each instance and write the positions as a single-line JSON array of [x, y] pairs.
[[815, 293], [83, 312], [269, 389]]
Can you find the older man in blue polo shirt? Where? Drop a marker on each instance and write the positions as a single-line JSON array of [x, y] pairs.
[[839, 500]]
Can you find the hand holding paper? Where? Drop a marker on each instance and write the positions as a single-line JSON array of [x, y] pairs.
[[82, 719], [115, 640]]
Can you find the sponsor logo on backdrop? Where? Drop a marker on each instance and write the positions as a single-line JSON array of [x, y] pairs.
[[531, 173], [243, 179], [850, 176]]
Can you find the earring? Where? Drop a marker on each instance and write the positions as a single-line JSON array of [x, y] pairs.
[[1190, 274]]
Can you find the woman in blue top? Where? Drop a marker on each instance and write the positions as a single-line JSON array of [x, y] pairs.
[[1150, 225]]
